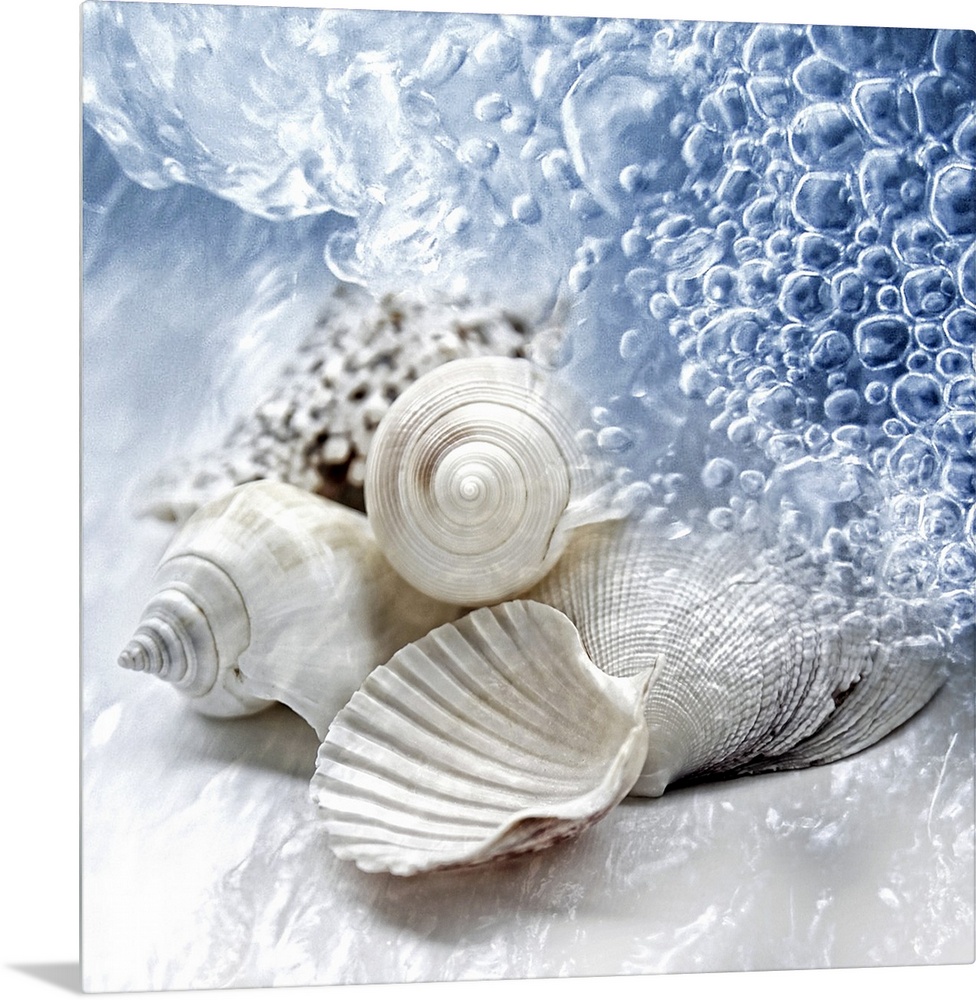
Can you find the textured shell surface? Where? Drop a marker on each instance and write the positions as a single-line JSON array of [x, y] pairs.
[[477, 476], [284, 596], [491, 736], [314, 425], [753, 673]]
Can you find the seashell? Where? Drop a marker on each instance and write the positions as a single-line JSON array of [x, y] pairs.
[[315, 425], [753, 672], [491, 736], [477, 476], [270, 594]]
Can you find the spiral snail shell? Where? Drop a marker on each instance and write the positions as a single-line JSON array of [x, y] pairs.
[[271, 593], [477, 476]]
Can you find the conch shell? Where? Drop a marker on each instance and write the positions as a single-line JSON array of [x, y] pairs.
[[476, 477], [753, 672], [491, 736], [271, 593]]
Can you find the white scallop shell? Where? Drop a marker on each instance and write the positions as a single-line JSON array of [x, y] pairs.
[[476, 476], [270, 594], [489, 737], [754, 672]]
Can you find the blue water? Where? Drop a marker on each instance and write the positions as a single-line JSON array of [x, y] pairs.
[[762, 236]]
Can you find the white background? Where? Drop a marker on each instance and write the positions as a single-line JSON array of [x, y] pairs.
[[39, 392]]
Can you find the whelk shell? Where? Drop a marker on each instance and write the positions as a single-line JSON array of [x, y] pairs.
[[491, 736], [271, 594], [476, 477], [753, 672]]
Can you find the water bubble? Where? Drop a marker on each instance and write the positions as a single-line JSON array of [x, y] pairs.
[[478, 153], [701, 151], [881, 341], [876, 393], [718, 284], [939, 518], [823, 135], [886, 109], [939, 98], [951, 362], [724, 109], [717, 472], [881, 175], [816, 438], [919, 361], [913, 463], [773, 48], [959, 477], [959, 608], [957, 565], [873, 49], [633, 343], [876, 263], [929, 336], [771, 96], [889, 298], [961, 393], [742, 431], [614, 439], [558, 169], [662, 306], [695, 380], [816, 252], [445, 58], [722, 518], [917, 398], [894, 428], [816, 77], [579, 277], [805, 296], [953, 203], [419, 108], [830, 350], [342, 256], [500, 52], [928, 291], [634, 243], [823, 202], [909, 569], [954, 51], [851, 438], [525, 209], [616, 114], [955, 433], [848, 291], [758, 283], [960, 327], [964, 140], [842, 406], [751, 482], [457, 220], [492, 107]]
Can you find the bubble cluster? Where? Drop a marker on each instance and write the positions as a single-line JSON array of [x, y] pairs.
[[763, 234]]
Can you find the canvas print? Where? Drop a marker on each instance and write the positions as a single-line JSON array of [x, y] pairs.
[[528, 496]]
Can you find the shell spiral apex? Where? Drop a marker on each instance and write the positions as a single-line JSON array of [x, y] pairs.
[[476, 475], [271, 593]]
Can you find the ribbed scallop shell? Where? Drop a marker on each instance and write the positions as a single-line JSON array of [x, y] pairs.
[[269, 594], [754, 673], [489, 737], [475, 477]]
